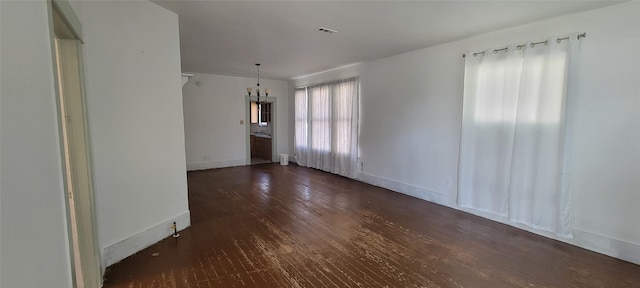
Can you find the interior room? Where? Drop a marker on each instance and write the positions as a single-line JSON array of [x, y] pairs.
[[319, 143], [260, 131]]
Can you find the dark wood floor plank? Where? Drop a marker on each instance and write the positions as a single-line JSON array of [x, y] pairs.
[[288, 226]]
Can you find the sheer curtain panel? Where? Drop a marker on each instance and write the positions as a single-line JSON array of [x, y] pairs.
[[301, 136], [326, 126], [514, 150]]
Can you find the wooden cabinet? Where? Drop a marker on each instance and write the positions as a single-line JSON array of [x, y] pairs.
[[253, 145], [261, 147]]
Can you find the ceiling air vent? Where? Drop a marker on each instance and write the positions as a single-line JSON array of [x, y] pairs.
[[327, 30]]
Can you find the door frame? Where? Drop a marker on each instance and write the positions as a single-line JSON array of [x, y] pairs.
[[274, 130], [65, 25]]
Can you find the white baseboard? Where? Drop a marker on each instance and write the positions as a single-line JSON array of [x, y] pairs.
[[117, 251], [601, 244], [597, 243], [608, 246], [215, 164], [407, 189]]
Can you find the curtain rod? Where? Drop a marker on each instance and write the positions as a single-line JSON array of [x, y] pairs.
[[580, 36]]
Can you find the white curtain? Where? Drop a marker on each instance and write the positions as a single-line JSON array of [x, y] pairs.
[[515, 150], [326, 120], [301, 137]]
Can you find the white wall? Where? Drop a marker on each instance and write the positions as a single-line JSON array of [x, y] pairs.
[[214, 105], [134, 98], [411, 108], [33, 230], [1, 92]]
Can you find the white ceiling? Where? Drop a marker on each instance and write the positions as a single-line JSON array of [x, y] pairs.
[[228, 37]]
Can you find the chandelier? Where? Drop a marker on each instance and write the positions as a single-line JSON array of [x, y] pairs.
[[266, 90]]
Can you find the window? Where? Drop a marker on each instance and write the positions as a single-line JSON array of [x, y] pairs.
[[260, 113], [326, 121]]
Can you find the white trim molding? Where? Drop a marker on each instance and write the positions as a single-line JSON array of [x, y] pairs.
[[597, 243], [69, 17], [408, 189], [215, 164], [604, 245], [115, 252]]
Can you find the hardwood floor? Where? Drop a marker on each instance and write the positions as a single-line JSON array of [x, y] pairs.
[[288, 226], [257, 160]]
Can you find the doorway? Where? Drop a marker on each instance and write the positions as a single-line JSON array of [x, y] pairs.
[[75, 152], [261, 130]]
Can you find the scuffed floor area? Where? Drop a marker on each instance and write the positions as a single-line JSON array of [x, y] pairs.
[[289, 226]]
